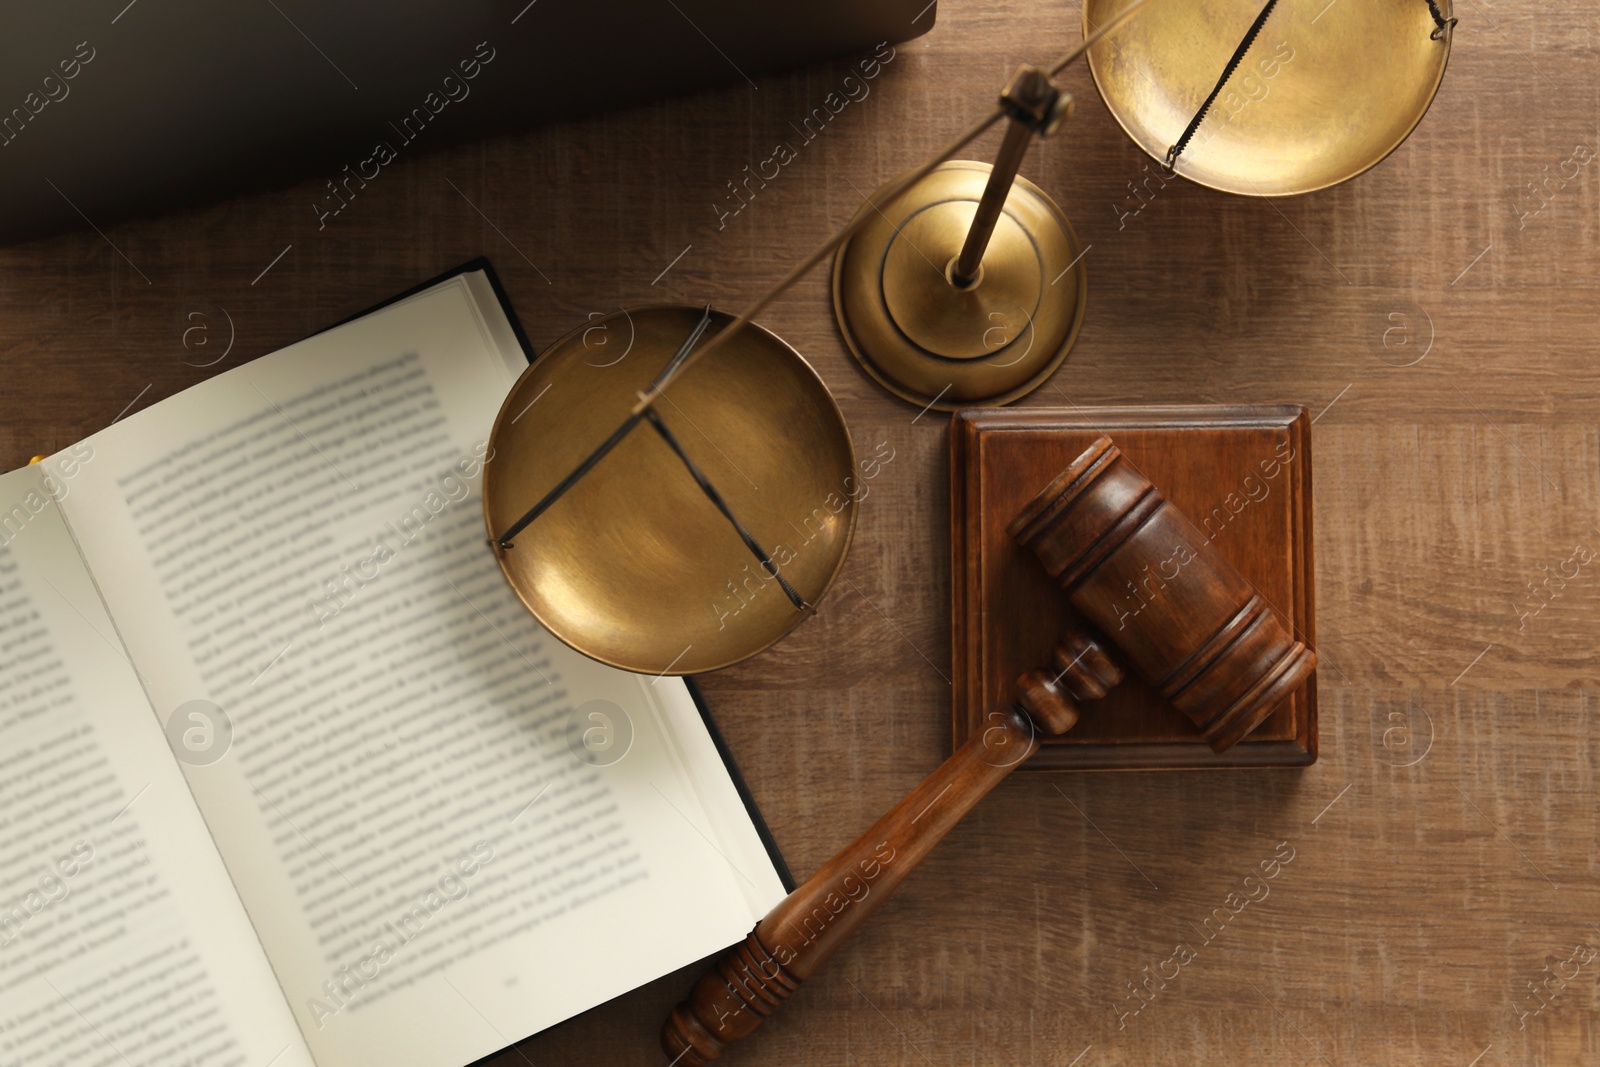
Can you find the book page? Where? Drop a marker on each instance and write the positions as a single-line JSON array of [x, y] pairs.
[[438, 865], [121, 939]]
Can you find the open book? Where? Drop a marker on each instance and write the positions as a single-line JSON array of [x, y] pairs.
[[288, 776]]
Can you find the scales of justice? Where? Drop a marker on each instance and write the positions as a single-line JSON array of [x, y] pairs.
[[703, 527]]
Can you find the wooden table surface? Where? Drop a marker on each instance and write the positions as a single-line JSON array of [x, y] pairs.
[[1443, 848]]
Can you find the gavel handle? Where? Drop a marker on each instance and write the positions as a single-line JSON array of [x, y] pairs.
[[751, 980]]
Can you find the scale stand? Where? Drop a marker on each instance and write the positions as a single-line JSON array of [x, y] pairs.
[[967, 287]]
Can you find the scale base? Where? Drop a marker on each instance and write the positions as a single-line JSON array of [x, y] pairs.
[[941, 346]]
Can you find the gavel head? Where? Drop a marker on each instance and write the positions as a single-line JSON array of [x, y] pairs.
[[1188, 622]]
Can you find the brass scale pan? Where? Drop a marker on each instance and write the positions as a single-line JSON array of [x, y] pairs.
[[633, 566], [1326, 91]]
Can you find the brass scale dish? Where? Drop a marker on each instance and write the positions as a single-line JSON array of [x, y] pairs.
[[637, 569], [1327, 91]]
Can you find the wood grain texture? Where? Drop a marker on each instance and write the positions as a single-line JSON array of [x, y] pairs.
[[1444, 844]]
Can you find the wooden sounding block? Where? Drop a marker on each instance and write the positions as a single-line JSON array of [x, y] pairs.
[[1241, 475]]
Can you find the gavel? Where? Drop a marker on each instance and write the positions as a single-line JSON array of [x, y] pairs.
[[1149, 586]]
